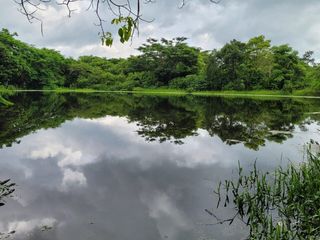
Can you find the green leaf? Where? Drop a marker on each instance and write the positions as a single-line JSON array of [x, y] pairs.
[[120, 32]]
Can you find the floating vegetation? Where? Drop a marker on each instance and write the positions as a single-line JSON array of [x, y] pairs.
[[7, 235], [45, 228], [282, 205], [6, 189]]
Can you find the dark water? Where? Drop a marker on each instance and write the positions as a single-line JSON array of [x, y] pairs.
[[101, 166]]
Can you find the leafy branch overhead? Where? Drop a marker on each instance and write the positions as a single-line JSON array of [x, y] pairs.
[[126, 13]]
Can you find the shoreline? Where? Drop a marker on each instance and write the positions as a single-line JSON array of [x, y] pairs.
[[258, 93]]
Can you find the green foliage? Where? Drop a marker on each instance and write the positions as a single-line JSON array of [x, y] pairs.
[[189, 82], [286, 70], [283, 205], [125, 32], [312, 77], [165, 118], [254, 65], [166, 59], [5, 102], [24, 66]]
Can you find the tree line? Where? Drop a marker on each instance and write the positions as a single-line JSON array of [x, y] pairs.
[[251, 65]]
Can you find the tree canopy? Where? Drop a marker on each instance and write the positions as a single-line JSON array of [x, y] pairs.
[[251, 65]]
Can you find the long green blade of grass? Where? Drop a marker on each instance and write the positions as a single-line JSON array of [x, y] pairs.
[[5, 102]]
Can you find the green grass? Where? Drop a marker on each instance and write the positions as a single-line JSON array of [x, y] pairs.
[[253, 93], [5, 102], [6, 89], [159, 91], [259, 93], [305, 93], [6, 92]]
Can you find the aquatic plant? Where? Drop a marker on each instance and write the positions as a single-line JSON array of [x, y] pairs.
[[6, 189], [284, 204], [5, 102]]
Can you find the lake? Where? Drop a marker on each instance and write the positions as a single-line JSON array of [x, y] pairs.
[[139, 167]]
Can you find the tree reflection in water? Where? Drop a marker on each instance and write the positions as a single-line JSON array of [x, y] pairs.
[[251, 122]]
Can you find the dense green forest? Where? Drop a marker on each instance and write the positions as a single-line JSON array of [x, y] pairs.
[[253, 65]]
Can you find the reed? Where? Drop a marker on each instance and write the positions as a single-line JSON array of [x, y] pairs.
[[284, 204]]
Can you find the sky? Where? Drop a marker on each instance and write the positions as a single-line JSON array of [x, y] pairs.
[[205, 24]]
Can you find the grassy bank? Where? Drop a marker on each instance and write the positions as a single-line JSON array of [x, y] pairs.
[[6, 92], [306, 93], [261, 93], [258, 93]]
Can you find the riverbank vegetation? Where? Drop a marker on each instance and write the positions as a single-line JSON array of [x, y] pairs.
[[283, 204], [254, 65]]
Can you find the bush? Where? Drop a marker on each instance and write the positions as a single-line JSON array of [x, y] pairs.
[[238, 86], [190, 82], [287, 87]]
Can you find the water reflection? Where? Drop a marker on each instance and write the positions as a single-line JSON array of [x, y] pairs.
[[6, 189], [233, 120], [103, 166]]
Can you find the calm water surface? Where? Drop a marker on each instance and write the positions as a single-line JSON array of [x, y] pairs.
[[101, 166]]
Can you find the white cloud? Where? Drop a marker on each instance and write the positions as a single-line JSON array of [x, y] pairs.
[[49, 151], [25, 227], [207, 25], [73, 178], [72, 158], [168, 217], [66, 155]]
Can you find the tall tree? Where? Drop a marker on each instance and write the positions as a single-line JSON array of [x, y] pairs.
[[167, 59], [226, 66], [287, 72], [259, 62]]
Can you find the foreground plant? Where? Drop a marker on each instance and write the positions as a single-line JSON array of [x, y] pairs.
[[284, 204], [5, 102]]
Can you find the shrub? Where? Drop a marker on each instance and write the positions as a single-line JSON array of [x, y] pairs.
[[190, 82]]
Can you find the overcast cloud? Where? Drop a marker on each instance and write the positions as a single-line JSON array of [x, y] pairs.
[[207, 25]]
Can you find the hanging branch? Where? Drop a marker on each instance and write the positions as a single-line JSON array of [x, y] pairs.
[[124, 14]]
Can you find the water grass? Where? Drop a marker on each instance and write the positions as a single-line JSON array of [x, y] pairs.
[[5, 102], [284, 204], [6, 189]]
